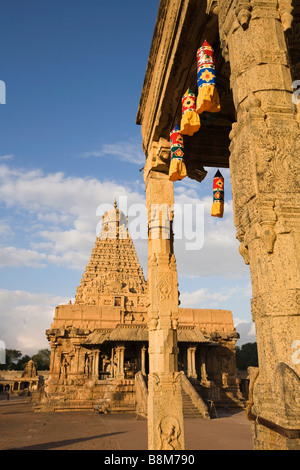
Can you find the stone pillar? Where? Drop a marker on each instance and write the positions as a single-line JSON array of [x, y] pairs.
[[265, 175], [165, 416], [54, 364], [96, 364], [120, 350], [143, 360], [76, 362], [121, 363], [81, 361], [191, 362], [112, 363], [204, 378]]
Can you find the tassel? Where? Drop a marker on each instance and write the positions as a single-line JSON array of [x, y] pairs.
[[217, 209], [177, 170], [190, 121], [208, 96]]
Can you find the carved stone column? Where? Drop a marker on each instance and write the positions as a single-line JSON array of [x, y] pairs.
[[76, 361], [143, 360], [120, 351], [191, 361], [204, 377], [265, 175], [96, 364], [53, 358], [165, 416], [112, 363]]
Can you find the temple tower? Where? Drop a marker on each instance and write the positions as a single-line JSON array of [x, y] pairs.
[[113, 266]]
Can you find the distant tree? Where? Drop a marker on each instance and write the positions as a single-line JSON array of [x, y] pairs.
[[12, 358], [16, 361], [22, 362], [42, 359], [246, 356]]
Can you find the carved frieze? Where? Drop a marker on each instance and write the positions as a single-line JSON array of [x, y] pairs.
[[164, 285], [278, 163]]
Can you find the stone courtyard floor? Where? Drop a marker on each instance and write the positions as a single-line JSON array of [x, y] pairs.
[[23, 429]]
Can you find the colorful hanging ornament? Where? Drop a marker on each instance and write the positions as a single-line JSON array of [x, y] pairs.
[[190, 121], [208, 96], [177, 170], [217, 209]]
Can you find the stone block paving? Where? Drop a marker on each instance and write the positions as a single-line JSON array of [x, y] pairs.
[[23, 429]]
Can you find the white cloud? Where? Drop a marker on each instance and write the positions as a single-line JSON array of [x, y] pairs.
[[11, 256], [129, 152], [24, 318], [212, 298], [246, 330], [58, 214], [219, 255], [4, 158], [5, 230]]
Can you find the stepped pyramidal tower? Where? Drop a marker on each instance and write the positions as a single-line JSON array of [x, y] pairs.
[[99, 343], [113, 267]]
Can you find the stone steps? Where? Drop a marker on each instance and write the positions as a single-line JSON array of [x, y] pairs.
[[189, 409]]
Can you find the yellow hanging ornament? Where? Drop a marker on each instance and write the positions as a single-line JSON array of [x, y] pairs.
[[190, 120]]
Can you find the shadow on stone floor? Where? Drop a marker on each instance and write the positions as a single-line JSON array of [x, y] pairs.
[[56, 444]]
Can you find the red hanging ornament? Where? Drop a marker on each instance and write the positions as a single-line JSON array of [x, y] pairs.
[[177, 170], [208, 96], [217, 209]]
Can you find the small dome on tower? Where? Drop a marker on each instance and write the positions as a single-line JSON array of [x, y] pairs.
[[114, 223]]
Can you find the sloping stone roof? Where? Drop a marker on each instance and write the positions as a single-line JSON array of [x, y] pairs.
[[140, 333]]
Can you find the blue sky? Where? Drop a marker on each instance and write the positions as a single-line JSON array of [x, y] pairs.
[[74, 72]]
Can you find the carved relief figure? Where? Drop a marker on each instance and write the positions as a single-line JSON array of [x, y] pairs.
[[170, 431], [64, 368], [87, 365]]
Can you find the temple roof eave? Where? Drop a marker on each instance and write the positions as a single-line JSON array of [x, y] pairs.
[[139, 333]]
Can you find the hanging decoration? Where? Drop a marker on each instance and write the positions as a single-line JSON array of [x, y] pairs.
[[208, 95], [190, 121], [177, 170], [217, 209]]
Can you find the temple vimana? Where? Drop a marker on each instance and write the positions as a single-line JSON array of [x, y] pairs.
[[220, 91]]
